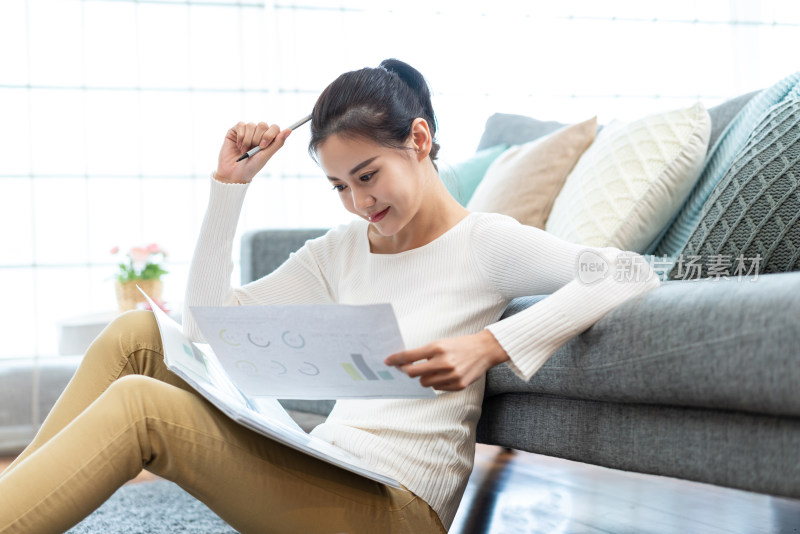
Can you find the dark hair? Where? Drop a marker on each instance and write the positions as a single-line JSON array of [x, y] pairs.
[[378, 104]]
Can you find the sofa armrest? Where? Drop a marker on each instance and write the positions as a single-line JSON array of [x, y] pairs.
[[263, 251]]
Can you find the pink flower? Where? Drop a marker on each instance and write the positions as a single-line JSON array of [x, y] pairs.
[[160, 303], [153, 248], [114, 250], [139, 255]]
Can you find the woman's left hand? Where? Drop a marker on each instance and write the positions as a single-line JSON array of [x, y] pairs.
[[451, 364]]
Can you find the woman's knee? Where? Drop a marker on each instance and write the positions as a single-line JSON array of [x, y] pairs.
[[123, 338], [131, 386], [137, 394], [136, 400], [142, 321], [134, 330], [144, 398]]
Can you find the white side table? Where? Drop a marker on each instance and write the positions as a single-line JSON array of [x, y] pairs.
[[75, 334]]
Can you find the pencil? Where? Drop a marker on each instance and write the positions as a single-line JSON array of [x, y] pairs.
[[257, 149]]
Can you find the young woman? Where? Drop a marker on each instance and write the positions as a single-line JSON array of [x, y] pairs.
[[448, 273]]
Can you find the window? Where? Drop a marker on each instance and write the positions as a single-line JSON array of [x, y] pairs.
[[113, 110]]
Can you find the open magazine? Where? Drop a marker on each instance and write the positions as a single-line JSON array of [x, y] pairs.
[[258, 409]]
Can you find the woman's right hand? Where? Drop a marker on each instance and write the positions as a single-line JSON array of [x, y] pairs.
[[241, 138]]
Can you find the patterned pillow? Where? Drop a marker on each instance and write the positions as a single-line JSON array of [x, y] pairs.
[[720, 157], [632, 180], [751, 222]]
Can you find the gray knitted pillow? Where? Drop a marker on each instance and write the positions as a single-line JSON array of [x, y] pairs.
[[751, 222]]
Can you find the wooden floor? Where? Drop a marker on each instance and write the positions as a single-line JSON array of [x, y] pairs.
[[527, 493], [518, 492]]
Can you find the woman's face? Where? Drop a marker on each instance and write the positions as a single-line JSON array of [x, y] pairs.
[[380, 184]]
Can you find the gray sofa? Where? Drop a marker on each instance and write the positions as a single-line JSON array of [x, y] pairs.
[[697, 379]]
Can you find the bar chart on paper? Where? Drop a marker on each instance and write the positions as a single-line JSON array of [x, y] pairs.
[[359, 370], [327, 351]]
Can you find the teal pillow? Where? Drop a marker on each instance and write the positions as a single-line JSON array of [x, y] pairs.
[[719, 159], [463, 178]]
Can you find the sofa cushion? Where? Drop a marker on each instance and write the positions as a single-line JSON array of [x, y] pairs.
[[632, 180], [463, 178], [720, 156], [525, 180], [754, 212], [509, 129], [704, 344], [722, 114]]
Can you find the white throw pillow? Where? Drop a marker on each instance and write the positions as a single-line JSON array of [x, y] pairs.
[[632, 180]]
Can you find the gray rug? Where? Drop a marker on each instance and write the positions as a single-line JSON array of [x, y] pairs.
[[152, 508]]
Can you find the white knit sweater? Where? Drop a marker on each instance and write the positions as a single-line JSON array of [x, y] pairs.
[[458, 284]]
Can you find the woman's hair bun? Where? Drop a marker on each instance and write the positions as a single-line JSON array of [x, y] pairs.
[[375, 103], [411, 76]]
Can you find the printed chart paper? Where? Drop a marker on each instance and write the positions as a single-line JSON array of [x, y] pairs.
[[324, 351], [197, 364]]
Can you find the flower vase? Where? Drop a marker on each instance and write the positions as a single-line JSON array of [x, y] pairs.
[[128, 295]]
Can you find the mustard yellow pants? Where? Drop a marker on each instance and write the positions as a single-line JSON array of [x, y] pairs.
[[124, 411]]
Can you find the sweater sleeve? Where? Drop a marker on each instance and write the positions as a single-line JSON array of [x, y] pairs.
[[299, 280], [583, 283]]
